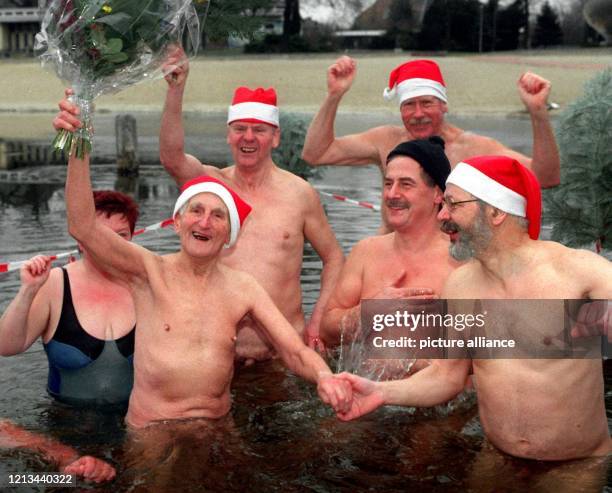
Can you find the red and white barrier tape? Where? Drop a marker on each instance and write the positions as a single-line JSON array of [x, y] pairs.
[[10, 266], [342, 198]]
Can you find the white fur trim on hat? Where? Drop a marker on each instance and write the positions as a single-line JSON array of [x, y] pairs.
[[412, 88], [487, 189], [259, 111], [221, 192]]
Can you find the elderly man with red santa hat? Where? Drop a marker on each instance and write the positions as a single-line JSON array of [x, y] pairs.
[[547, 409], [420, 90], [189, 304], [286, 209]]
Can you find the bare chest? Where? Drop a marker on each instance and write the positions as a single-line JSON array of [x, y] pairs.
[[272, 234], [420, 273]]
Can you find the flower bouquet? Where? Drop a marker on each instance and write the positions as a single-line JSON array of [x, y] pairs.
[[102, 46]]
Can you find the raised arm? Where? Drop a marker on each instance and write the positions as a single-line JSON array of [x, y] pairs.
[[534, 91], [122, 259], [321, 145], [182, 167], [27, 316], [320, 235], [545, 161]]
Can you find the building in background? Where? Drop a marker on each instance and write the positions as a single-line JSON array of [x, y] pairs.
[[19, 23]]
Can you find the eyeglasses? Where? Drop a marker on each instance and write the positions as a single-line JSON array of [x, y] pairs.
[[452, 204]]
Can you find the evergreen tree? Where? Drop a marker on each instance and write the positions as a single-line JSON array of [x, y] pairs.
[[240, 18], [292, 22], [490, 25], [509, 22], [581, 207], [548, 28], [450, 25], [434, 28], [400, 23]]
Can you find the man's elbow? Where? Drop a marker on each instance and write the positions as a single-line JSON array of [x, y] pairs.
[[7, 350], [334, 257], [550, 182], [168, 159], [310, 158], [75, 229]]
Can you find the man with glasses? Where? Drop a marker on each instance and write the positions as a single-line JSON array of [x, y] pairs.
[[545, 409], [420, 90], [413, 260]]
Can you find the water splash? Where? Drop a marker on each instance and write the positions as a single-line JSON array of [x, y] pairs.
[[355, 357]]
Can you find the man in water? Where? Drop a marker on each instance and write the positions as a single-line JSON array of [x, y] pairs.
[[420, 90], [286, 209], [189, 304], [413, 260], [546, 409]]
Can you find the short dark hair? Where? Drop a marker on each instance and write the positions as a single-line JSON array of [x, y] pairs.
[[110, 202]]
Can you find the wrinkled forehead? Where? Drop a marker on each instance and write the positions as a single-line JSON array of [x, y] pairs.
[[402, 167], [208, 200], [253, 124], [422, 99]]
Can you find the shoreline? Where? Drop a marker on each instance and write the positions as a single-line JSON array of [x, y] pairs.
[[476, 83]]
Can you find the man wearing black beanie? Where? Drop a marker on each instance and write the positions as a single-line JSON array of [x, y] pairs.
[[413, 260], [429, 153]]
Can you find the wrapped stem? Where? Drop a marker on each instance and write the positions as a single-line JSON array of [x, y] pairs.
[[79, 141]]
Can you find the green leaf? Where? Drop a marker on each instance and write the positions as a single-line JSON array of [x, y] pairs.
[[116, 58], [113, 45], [121, 22]]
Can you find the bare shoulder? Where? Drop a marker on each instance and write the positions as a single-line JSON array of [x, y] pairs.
[[460, 280], [575, 260], [299, 188], [473, 144], [239, 284], [386, 136], [53, 288], [372, 246]]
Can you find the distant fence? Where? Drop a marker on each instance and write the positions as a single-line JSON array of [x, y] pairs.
[[19, 153]]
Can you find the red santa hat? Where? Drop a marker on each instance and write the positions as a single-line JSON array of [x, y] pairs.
[[416, 78], [254, 105], [238, 209], [504, 183]]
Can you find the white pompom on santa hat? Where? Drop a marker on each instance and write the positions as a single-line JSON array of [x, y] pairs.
[[504, 183], [254, 106], [238, 209], [414, 79]]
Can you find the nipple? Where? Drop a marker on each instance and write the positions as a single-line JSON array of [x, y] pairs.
[[166, 327], [547, 341]]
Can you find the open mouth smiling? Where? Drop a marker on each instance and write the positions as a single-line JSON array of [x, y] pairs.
[[201, 236]]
